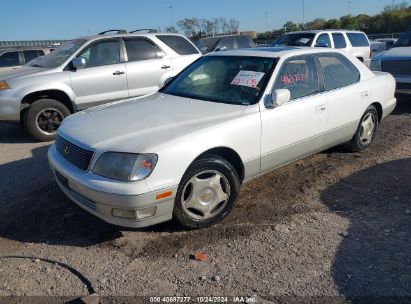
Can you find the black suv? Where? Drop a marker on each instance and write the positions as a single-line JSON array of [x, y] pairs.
[[224, 43]]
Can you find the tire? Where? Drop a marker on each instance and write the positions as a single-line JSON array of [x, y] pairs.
[[366, 131], [38, 119], [207, 192]]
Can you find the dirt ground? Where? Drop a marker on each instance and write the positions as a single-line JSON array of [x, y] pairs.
[[335, 227]]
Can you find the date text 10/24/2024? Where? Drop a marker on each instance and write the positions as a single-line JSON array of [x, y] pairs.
[[203, 299]]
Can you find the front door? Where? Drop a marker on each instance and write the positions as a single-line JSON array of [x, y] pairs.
[[104, 78], [297, 128]]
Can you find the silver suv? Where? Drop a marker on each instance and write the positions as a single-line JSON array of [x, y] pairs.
[[90, 71], [354, 42]]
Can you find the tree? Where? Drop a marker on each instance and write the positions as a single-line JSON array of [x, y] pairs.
[[332, 24], [348, 22], [171, 29], [187, 25], [290, 27], [234, 25]]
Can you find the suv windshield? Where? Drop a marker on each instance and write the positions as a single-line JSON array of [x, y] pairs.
[[404, 41], [236, 80], [297, 39], [59, 55], [207, 44]]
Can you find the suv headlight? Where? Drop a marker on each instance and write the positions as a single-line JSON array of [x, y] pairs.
[[375, 65], [4, 86], [126, 167]]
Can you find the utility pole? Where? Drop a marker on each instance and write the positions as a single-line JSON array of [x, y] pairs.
[[171, 15], [266, 21], [349, 7], [392, 4], [304, 13]]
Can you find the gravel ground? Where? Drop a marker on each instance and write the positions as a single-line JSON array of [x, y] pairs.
[[334, 227]]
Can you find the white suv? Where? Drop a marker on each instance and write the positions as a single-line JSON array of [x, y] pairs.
[[354, 42], [90, 71]]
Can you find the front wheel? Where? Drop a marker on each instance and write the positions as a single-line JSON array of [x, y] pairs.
[[44, 117], [366, 131], [207, 192]]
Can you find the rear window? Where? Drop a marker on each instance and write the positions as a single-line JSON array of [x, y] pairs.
[[358, 39], [295, 39], [178, 44], [404, 41], [243, 42]]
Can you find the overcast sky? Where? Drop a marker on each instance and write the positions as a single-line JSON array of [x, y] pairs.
[[58, 19]]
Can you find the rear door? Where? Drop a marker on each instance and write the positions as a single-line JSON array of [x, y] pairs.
[[104, 78], [346, 96], [147, 66]]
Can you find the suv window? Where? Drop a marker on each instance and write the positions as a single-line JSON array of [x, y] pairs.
[[324, 39], [298, 75], [338, 71], [178, 44], [243, 42], [358, 39], [227, 43], [32, 54], [9, 59], [140, 49], [101, 53], [339, 41]]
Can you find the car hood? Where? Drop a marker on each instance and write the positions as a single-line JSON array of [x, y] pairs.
[[136, 125], [21, 71], [400, 53]]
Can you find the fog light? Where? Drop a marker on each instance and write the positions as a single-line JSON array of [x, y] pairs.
[[127, 214], [146, 213]]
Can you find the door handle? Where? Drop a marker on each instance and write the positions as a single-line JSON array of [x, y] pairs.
[[117, 73], [165, 67], [320, 108]]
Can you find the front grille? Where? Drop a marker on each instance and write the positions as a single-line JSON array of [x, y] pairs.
[[396, 67], [74, 154]]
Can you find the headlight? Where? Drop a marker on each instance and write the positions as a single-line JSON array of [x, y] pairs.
[[125, 166], [4, 86], [375, 65]]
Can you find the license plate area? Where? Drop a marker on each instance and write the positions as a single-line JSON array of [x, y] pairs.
[[62, 179]]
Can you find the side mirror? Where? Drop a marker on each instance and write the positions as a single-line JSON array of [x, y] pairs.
[[322, 45], [278, 98], [78, 63], [221, 49], [168, 80]]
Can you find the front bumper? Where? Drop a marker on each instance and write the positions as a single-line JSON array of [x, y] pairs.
[[9, 106], [102, 203]]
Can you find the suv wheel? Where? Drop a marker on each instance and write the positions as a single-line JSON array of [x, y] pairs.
[[44, 117], [207, 192]]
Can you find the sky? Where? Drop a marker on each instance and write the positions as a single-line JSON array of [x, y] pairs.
[[67, 19]]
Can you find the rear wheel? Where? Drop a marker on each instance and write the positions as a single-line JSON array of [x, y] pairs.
[[44, 117], [366, 131], [207, 192]]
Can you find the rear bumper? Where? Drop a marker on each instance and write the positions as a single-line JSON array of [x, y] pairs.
[[9, 106], [389, 108], [104, 203]]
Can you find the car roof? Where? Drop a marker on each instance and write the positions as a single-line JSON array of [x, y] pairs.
[[22, 48], [325, 31], [149, 35], [273, 52], [223, 36]]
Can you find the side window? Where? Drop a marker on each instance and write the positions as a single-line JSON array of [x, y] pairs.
[[339, 41], [338, 71], [9, 59], [358, 39], [101, 53], [227, 43], [178, 44], [323, 41], [30, 55], [140, 49], [299, 76], [243, 42]]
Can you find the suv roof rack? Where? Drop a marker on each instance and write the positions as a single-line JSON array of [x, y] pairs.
[[117, 32], [145, 30]]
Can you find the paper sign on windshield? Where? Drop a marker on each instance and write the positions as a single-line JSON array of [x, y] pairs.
[[248, 79], [304, 40]]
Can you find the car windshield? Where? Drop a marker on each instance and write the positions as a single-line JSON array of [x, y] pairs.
[[58, 56], [236, 80], [298, 39], [404, 41], [207, 44]]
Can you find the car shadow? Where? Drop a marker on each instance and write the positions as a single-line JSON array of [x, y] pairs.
[[34, 210], [14, 133], [373, 262], [403, 106]]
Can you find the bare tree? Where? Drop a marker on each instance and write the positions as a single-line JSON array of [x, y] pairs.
[[170, 29], [234, 25], [187, 25]]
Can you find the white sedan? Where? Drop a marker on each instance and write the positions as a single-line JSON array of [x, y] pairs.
[[183, 152]]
